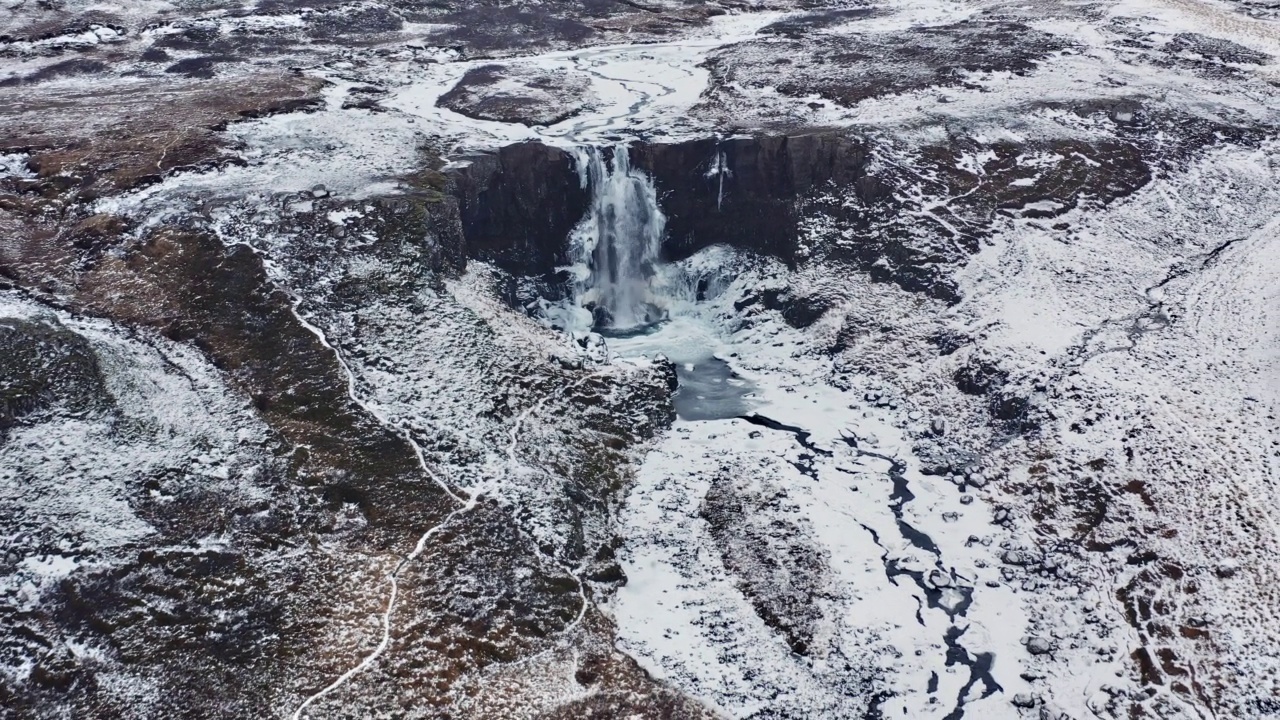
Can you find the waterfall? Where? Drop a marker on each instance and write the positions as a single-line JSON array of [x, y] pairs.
[[617, 245], [719, 169]]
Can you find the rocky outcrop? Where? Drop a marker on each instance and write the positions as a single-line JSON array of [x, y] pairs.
[[829, 196], [47, 368], [518, 206], [745, 192], [514, 94], [848, 68], [774, 561]]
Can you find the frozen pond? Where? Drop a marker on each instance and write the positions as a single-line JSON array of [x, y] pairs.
[[710, 389]]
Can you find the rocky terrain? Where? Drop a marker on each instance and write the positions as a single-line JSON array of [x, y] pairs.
[[955, 393]]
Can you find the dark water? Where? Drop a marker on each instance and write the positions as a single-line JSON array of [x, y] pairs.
[[710, 390], [651, 326]]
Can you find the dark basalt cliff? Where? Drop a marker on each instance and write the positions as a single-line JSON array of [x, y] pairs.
[[761, 193], [746, 192], [907, 218], [519, 204]]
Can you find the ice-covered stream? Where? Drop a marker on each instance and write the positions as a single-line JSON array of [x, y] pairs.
[[782, 548], [638, 89], [710, 387]]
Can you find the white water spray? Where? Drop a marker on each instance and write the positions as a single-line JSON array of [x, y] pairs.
[[719, 169], [618, 244]]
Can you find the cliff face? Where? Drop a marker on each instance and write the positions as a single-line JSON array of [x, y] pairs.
[[519, 204], [768, 194], [904, 217], [745, 192]]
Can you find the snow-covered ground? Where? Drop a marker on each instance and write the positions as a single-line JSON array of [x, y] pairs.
[[1054, 497], [900, 601], [1152, 329], [642, 90]]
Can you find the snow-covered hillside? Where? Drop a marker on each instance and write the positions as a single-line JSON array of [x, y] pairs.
[[670, 359]]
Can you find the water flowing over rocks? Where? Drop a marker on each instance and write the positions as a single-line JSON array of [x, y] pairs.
[[618, 243], [829, 196], [749, 193]]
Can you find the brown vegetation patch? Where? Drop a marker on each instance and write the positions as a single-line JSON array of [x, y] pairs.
[[116, 137]]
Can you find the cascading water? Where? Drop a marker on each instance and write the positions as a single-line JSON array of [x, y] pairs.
[[620, 289], [719, 169], [618, 243]]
